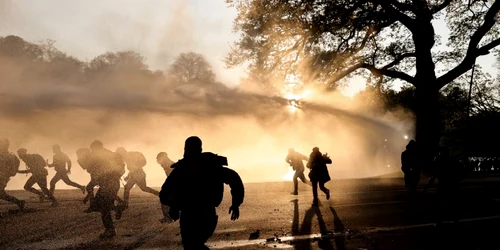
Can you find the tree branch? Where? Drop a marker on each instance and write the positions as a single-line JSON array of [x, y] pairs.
[[472, 51], [404, 19], [486, 48], [376, 72], [399, 59], [441, 6], [389, 73], [402, 6]]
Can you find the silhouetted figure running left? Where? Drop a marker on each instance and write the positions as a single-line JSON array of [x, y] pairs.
[[195, 188], [35, 164], [59, 164], [9, 165], [319, 173], [135, 162], [409, 166], [109, 167], [295, 159]]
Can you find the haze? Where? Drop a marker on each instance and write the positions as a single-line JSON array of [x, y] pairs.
[[254, 130]]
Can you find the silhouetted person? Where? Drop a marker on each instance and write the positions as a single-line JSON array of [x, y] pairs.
[[165, 162], [319, 173], [434, 170], [167, 165], [409, 166], [35, 165], [135, 162], [83, 159], [195, 188], [448, 173], [295, 159], [9, 165], [59, 163], [108, 167]]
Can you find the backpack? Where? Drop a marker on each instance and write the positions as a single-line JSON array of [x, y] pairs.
[[9, 164], [138, 159]]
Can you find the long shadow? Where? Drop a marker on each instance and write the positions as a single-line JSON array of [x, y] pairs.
[[323, 243], [338, 228], [305, 228]]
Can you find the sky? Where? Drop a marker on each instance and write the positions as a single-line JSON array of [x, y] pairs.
[[158, 30]]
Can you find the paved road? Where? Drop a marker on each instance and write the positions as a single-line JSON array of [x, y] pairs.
[[362, 214]]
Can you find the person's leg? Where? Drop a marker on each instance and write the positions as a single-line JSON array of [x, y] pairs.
[[315, 191], [54, 181], [197, 227], [6, 197], [142, 185], [126, 193], [90, 191], [65, 178], [295, 183], [42, 182], [324, 189], [29, 187]]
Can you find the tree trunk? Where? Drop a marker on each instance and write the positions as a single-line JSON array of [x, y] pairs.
[[427, 128]]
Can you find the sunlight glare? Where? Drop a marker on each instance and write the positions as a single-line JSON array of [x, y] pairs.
[[289, 175]]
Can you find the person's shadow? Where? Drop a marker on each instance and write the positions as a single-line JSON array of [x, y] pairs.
[[305, 228], [339, 229]]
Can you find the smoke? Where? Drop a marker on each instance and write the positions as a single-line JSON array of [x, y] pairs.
[[253, 130], [150, 115]]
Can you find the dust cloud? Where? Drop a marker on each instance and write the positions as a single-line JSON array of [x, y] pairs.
[[149, 113], [253, 130]]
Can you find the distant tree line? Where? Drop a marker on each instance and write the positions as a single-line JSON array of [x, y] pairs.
[[44, 62]]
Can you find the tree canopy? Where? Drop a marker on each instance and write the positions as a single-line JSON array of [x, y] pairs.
[[328, 40], [192, 67]]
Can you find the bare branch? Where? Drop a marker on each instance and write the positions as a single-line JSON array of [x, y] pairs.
[[472, 51], [486, 48], [399, 59], [376, 72], [389, 73]]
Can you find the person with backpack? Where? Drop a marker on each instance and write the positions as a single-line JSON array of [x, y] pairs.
[[135, 162], [108, 167], [9, 165], [35, 164], [59, 163], [319, 173], [195, 188]]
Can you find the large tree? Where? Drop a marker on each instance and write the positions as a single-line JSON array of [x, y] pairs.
[[389, 39], [192, 67]]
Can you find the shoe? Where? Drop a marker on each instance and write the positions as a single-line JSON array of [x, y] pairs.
[[294, 193], [108, 234], [328, 194], [21, 204], [55, 203]]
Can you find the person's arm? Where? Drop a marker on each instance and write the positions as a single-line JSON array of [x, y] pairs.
[[68, 161], [231, 178], [51, 165], [288, 160], [168, 193]]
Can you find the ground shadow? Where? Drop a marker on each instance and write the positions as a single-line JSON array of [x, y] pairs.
[[338, 229]]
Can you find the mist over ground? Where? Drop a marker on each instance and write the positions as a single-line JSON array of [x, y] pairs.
[[49, 97], [142, 113]]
